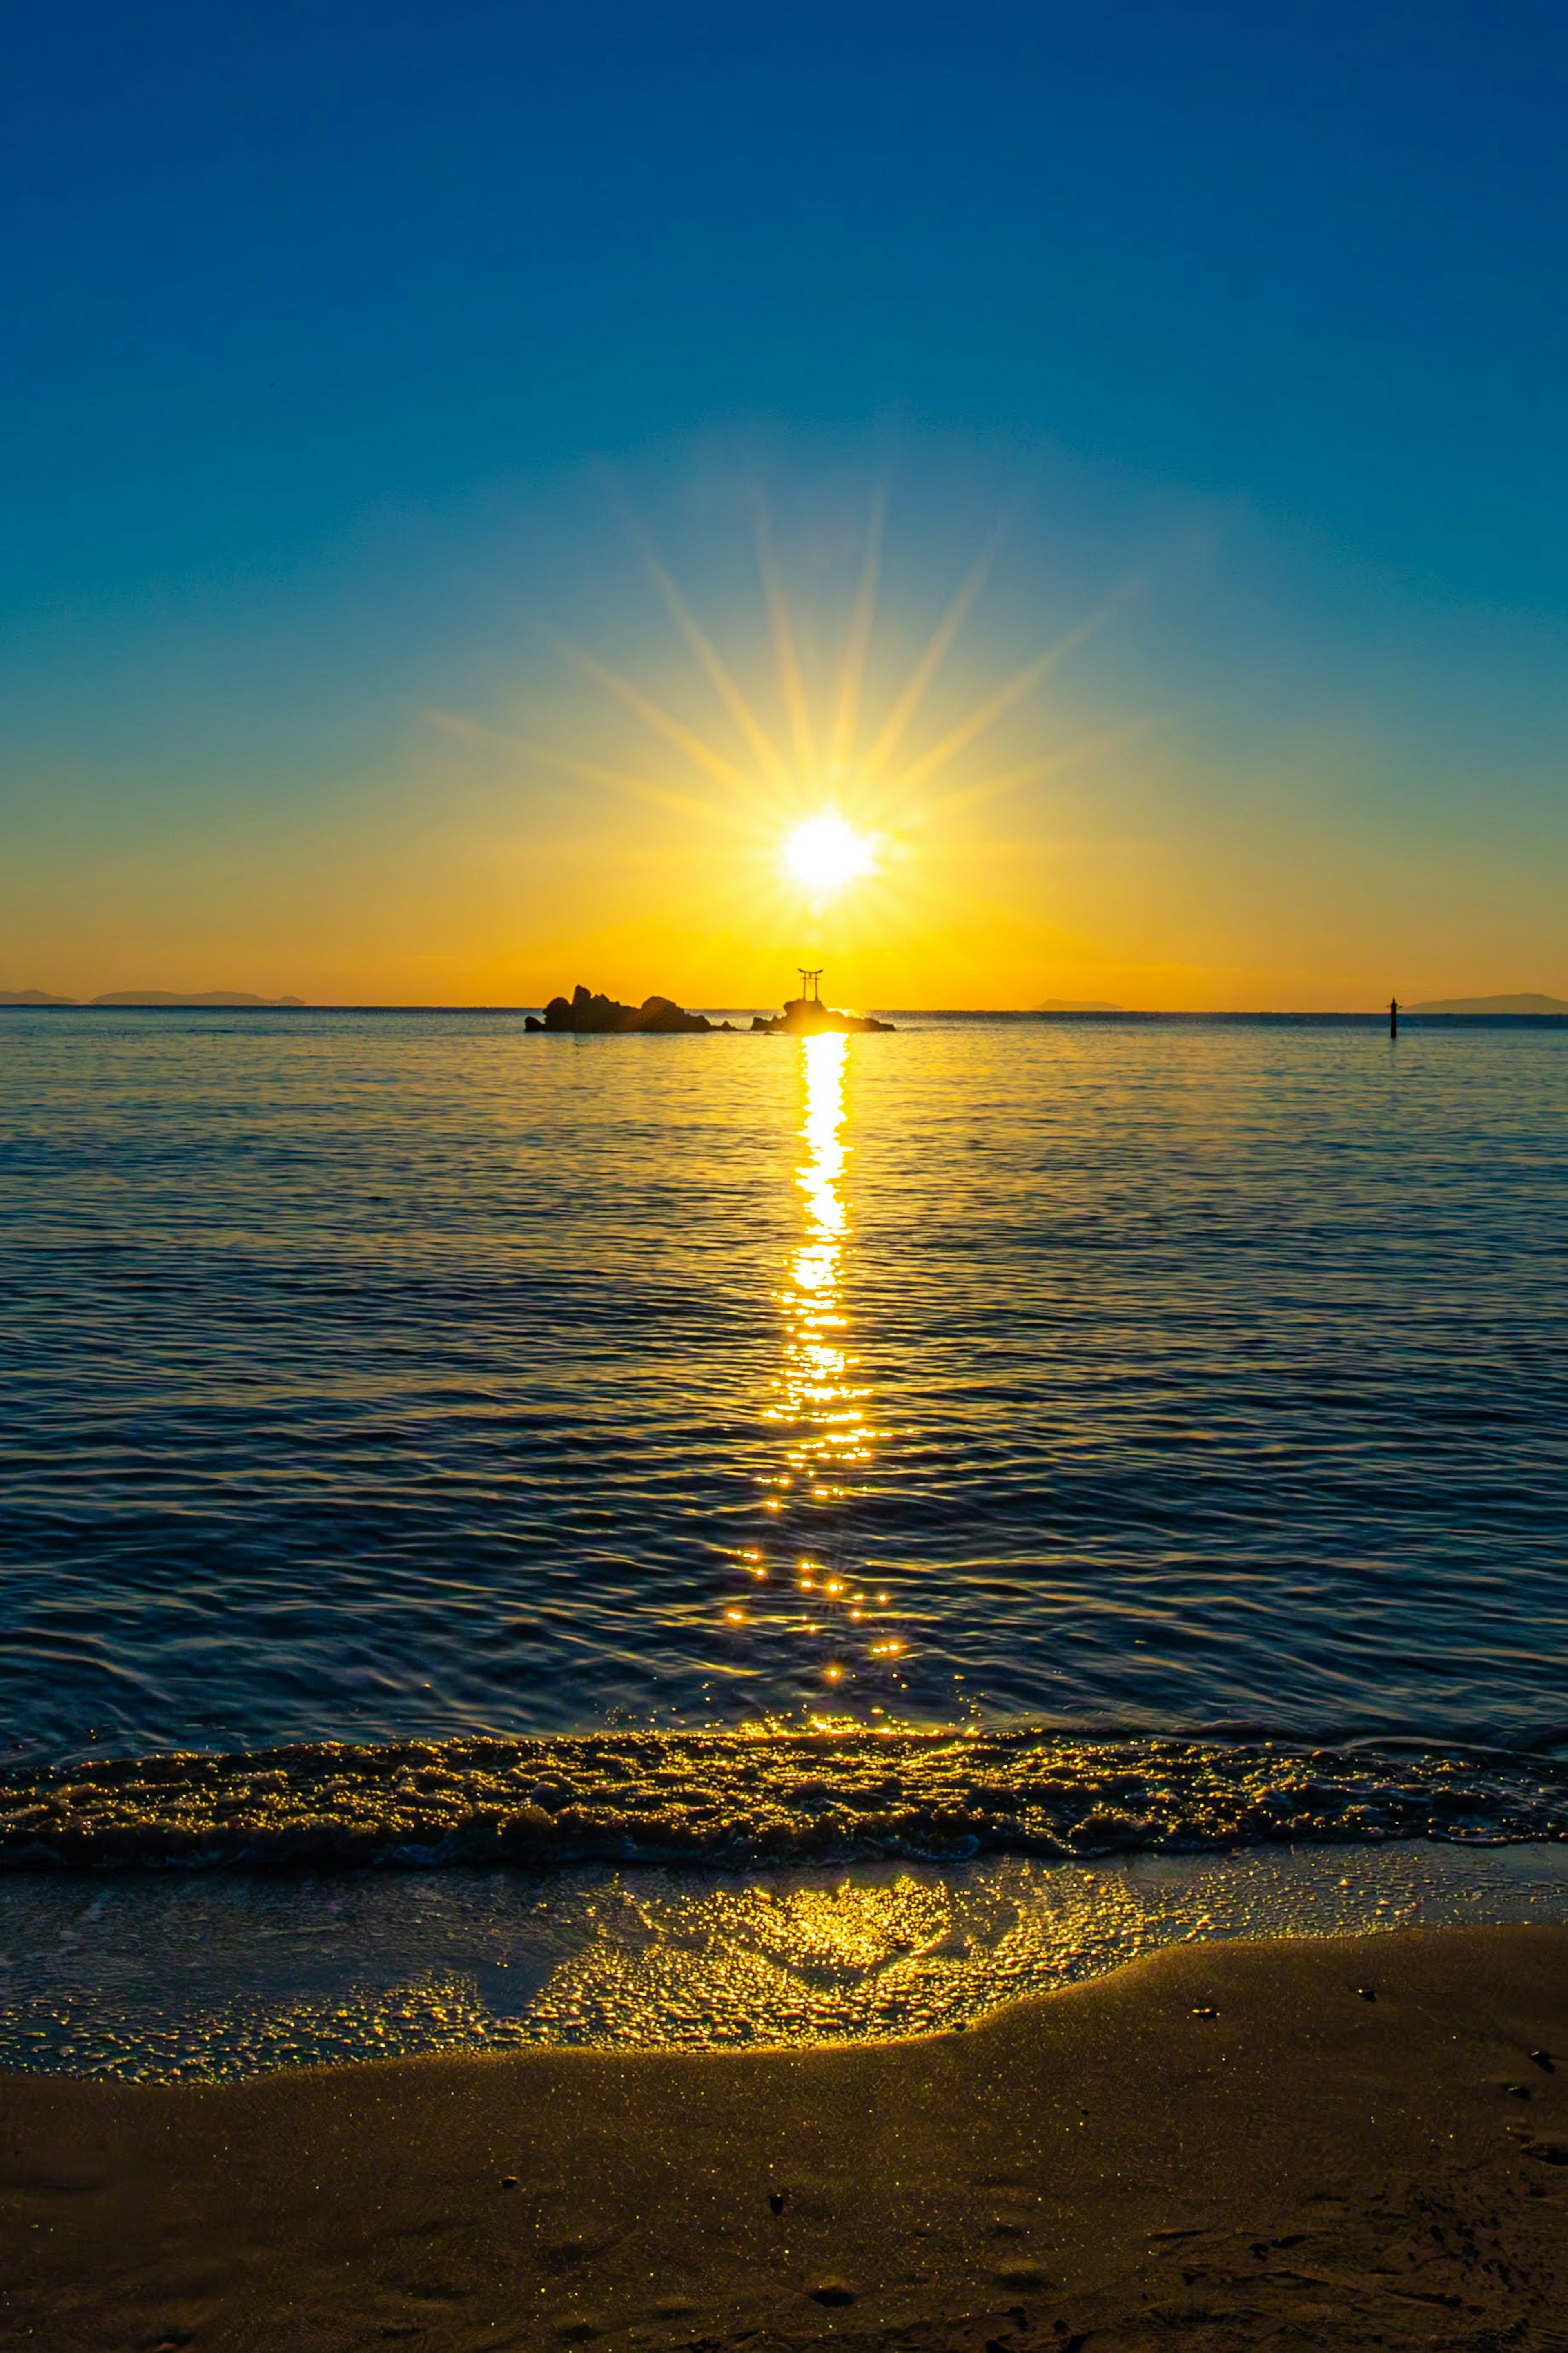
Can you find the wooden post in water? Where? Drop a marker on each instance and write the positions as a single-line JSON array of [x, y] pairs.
[[1393, 1017]]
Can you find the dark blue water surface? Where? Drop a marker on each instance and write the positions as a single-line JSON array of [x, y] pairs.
[[380, 1377]]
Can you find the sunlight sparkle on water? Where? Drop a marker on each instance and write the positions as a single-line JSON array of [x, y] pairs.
[[819, 1396], [818, 1400]]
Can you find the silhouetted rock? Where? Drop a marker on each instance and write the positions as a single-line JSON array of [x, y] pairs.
[[660, 1013], [585, 1014], [806, 1017]]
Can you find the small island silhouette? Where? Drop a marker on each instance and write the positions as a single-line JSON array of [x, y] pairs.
[[588, 1014], [806, 1016], [585, 1014]]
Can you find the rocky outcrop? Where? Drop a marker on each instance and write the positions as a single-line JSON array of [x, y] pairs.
[[804, 1017], [585, 1014]]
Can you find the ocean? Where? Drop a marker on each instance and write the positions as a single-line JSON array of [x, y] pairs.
[[1006, 1448]]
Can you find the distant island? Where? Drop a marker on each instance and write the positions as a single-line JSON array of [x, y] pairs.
[[1526, 1004], [230, 999], [1079, 1005]]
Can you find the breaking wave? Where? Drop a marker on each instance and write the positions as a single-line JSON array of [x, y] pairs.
[[755, 1798]]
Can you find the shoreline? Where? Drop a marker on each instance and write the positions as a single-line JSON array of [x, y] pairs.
[[745, 1801], [202, 1977], [1109, 2166]]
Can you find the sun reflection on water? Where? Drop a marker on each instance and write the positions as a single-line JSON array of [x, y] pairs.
[[819, 1396], [834, 1616]]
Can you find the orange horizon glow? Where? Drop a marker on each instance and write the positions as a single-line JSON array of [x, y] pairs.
[[935, 822]]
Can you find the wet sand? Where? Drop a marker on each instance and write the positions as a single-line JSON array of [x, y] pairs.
[[1106, 2167]]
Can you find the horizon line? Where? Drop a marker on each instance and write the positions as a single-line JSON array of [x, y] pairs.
[[1479, 1010]]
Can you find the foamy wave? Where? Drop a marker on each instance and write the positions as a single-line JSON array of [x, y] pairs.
[[741, 1799]]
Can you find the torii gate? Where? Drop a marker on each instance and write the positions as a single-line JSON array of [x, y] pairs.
[[810, 985]]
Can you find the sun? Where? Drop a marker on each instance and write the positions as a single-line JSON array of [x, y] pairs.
[[823, 789], [825, 854]]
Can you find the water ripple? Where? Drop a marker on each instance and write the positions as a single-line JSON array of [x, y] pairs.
[[380, 1381]]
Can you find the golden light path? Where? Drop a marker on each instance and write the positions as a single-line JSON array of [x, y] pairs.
[[820, 1397], [819, 1402]]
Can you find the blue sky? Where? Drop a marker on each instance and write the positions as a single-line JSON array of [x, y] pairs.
[[326, 329]]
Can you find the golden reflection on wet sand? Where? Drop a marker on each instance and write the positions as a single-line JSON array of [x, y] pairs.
[[367, 1967], [899, 1952]]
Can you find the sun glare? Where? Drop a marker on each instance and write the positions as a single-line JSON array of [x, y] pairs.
[[834, 736], [825, 854]]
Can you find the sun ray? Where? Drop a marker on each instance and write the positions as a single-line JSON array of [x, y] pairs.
[[857, 651], [790, 679], [637, 787], [930, 661], [833, 834], [1021, 683], [947, 746], [671, 729], [1034, 772], [719, 675], [469, 730]]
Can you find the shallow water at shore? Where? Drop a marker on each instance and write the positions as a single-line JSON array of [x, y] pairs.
[[171, 1977]]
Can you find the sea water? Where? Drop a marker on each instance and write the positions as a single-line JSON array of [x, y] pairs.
[[430, 1445]]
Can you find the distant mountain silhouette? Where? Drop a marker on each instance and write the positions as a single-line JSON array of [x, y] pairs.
[[1078, 1005], [31, 996], [218, 998], [1526, 1004]]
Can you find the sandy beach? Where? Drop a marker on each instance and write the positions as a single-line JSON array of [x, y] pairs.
[[1324, 2142]]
